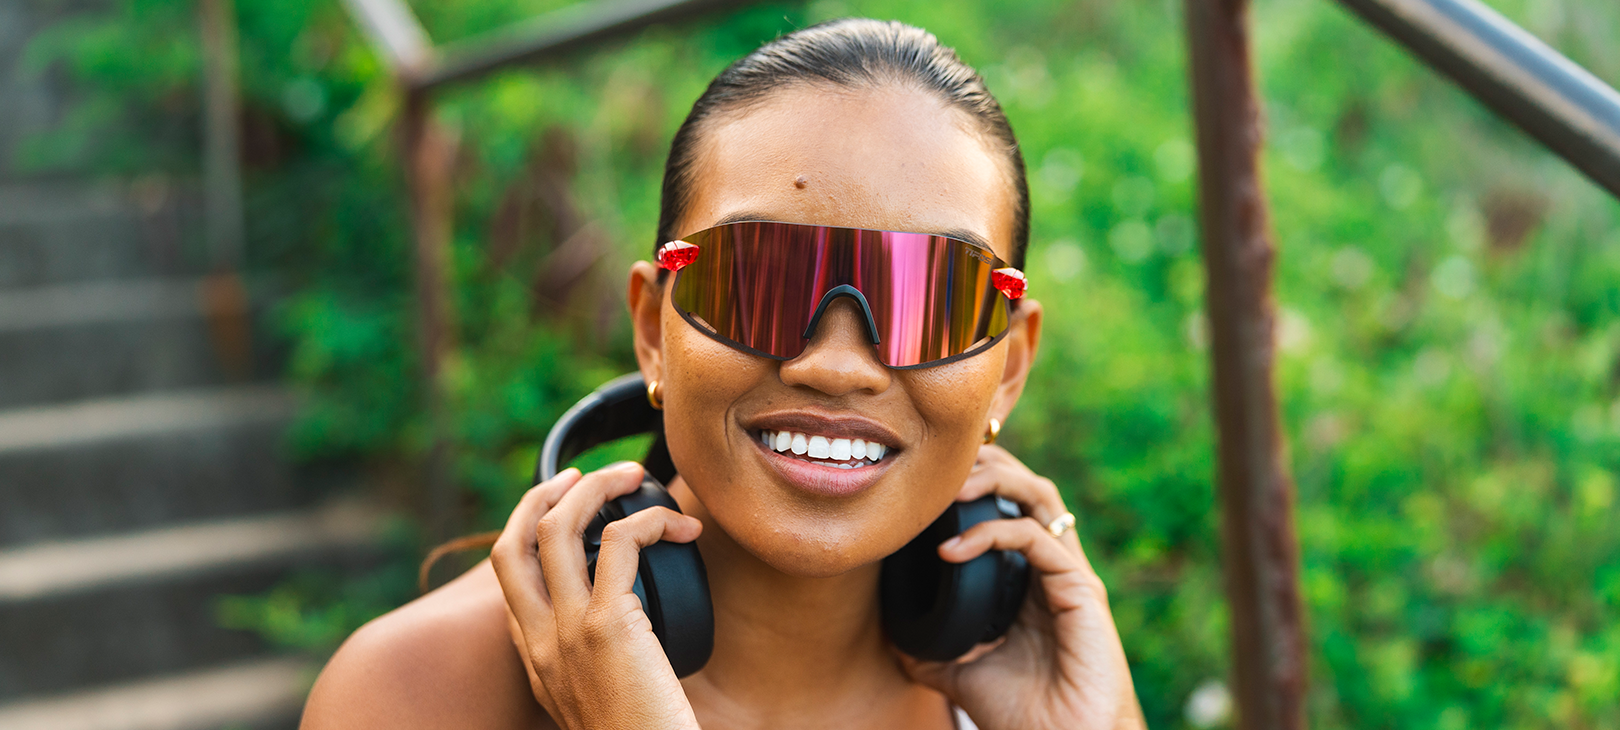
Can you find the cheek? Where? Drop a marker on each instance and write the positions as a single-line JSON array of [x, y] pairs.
[[697, 405], [954, 400]]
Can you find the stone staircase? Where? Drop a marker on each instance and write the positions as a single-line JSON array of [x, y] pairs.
[[141, 467]]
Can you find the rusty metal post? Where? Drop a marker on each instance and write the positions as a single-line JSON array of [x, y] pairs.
[[1260, 551], [222, 166], [430, 152], [224, 295]]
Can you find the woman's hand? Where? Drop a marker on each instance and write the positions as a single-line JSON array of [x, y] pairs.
[[1061, 665], [592, 658]]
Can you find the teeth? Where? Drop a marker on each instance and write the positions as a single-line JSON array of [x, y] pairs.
[[845, 453], [837, 465]]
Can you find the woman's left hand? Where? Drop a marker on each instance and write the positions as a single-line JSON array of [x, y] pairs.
[[1061, 665]]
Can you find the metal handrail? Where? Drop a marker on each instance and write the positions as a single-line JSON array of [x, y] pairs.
[[421, 66], [395, 32], [557, 33], [1570, 111]]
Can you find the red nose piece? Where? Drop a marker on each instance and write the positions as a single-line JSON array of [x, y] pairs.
[[1010, 281], [675, 255]]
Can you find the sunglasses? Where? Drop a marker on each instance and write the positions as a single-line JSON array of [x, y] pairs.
[[762, 287]]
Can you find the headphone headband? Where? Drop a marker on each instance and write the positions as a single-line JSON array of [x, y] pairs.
[[617, 409]]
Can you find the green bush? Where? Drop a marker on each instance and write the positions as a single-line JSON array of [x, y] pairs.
[[1448, 297]]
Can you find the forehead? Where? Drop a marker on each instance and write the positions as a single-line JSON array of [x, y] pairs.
[[887, 158]]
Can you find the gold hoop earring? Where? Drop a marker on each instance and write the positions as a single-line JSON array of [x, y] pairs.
[[993, 431], [655, 395]]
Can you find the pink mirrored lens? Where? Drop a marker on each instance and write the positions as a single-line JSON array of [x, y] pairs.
[[757, 286]]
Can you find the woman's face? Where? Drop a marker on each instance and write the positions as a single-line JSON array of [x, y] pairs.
[[889, 158]]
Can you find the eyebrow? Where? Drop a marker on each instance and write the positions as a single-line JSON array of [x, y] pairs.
[[970, 237], [746, 216], [960, 234]]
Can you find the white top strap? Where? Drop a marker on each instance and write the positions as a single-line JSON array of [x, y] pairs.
[[963, 722]]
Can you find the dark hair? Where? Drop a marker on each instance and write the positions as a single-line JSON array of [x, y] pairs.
[[853, 52]]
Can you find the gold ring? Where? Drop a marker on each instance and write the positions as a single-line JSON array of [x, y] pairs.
[[1061, 525]]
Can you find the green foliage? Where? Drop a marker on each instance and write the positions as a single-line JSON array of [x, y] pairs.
[[1448, 308], [317, 610]]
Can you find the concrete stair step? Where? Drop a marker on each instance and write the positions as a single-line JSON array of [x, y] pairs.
[[82, 613], [57, 232], [102, 338], [267, 694], [121, 464]]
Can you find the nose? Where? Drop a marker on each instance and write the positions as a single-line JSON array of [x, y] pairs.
[[840, 359]]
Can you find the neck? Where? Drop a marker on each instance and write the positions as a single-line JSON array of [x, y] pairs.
[[796, 651]]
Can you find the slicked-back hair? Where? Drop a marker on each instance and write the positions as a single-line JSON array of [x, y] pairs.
[[850, 53]]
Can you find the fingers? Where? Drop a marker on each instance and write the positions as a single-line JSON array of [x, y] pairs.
[[536, 503], [513, 556], [999, 472], [1066, 576], [560, 533], [623, 541]]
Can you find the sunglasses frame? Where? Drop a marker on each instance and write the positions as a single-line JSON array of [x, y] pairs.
[[1007, 280]]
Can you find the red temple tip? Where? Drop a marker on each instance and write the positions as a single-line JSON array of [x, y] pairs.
[[675, 255], [1010, 281]]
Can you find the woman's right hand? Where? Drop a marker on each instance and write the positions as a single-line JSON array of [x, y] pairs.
[[590, 651]]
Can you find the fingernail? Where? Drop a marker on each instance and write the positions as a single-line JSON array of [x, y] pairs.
[[951, 543], [624, 466]]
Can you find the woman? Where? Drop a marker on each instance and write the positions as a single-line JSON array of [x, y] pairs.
[[849, 124]]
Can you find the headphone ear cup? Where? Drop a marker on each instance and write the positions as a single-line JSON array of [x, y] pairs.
[[936, 611], [671, 582]]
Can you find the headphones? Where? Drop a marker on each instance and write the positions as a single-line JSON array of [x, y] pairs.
[[932, 610]]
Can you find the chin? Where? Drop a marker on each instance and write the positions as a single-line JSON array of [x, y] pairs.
[[816, 543], [806, 554]]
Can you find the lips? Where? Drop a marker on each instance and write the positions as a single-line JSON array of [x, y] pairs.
[[834, 456]]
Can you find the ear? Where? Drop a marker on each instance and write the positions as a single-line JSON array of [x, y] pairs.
[[646, 300], [1023, 341]]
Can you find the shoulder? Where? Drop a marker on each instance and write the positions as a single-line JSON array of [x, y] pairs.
[[445, 660]]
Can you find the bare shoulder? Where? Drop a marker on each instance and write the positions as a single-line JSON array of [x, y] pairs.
[[445, 660]]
